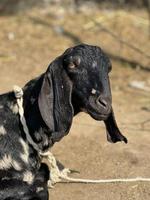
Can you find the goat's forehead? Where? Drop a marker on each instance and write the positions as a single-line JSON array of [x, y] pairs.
[[92, 57], [91, 51]]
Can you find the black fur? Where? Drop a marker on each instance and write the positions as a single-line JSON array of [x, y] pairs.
[[75, 81]]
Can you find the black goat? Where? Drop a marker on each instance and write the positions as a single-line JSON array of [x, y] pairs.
[[74, 82]]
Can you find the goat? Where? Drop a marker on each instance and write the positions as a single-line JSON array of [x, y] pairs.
[[74, 82]]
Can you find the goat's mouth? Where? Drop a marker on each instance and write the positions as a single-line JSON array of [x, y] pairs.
[[98, 116], [97, 110], [95, 115]]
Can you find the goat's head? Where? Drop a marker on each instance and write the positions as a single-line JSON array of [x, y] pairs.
[[78, 81], [88, 68]]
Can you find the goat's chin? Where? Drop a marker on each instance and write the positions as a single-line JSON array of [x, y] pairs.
[[96, 113], [97, 116]]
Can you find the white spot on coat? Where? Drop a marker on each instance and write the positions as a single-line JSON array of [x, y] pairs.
[[16, 165], [25, 155], [14, 108], [2, 130], [1, 106], [39, 189], [28, 177], [7, 162], [93, 91], [94, 64]]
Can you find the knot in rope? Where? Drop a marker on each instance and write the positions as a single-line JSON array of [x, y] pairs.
[[18, 92]]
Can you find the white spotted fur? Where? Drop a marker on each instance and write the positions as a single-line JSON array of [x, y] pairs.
[[28, 177], [93, 91], [7, 162], [1, 106], [14, 108], [39, 189], [2, 130], [94, 64], [25, 155]]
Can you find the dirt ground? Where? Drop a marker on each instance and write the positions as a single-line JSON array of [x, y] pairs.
[[28, 43]]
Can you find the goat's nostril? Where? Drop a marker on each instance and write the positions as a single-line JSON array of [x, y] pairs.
[[102, 102]]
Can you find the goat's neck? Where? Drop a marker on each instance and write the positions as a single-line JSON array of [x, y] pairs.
[[37, 128]]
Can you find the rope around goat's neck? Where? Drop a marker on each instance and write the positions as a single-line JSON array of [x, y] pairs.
[[19, 97], [59, 176]]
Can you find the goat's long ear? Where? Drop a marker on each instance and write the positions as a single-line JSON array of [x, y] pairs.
[[113, 133], [55, 99]]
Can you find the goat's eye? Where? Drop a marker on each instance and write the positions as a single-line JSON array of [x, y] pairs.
[[74, 63], [71, 65]]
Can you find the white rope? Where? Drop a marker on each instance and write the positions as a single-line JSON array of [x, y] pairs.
[[19, 97], [117, 180], [56, 175]]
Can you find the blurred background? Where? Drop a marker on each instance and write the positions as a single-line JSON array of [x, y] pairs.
[[34, 32]]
